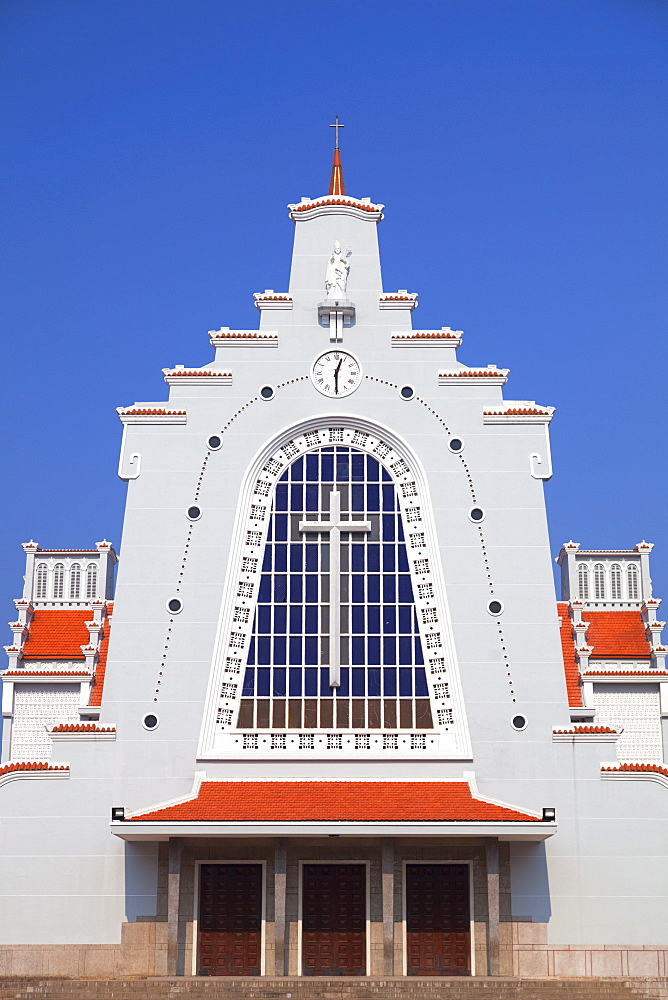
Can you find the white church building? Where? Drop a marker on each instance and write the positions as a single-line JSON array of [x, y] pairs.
[[334, 720]]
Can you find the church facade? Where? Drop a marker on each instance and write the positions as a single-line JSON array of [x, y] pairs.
[[333, 720]]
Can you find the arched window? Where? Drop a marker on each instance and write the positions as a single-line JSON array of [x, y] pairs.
[[58, 582], [599, 582], [616, 582], [42, 577], [632, 582], [583, 582], [91, 582], [75, 582]]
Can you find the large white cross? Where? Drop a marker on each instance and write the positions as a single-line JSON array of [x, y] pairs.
[[334, 526]]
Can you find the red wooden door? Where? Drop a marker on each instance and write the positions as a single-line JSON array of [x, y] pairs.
[[334, 920], [438, 932], [230, 920]]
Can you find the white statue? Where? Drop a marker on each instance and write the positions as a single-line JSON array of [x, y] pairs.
[[337, 272]]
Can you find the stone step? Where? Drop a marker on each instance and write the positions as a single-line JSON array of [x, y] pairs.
[[312, 988]]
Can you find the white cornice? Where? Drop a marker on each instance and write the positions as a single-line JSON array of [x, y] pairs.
[[139, 414], [336, 204], [518, 412], [242, 338], [444, 337], [477, 376], [53, 771]]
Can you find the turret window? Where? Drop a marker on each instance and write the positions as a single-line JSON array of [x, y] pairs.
[[91, 582], [58, 581], [632, 582], [583, 582], [42, 577], [599, 582], [75, 582], [616, 582]]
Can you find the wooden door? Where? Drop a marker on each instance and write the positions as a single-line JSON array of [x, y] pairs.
[[334, 920], [230, 920], [438, 932]]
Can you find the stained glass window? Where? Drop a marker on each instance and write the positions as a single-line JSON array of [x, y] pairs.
[[289, 681]]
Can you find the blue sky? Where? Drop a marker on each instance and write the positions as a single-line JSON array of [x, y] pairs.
[[150, 148]]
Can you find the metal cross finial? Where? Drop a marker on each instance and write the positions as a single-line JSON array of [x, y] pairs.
[[336, 134]]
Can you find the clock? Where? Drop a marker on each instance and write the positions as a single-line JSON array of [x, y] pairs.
[[336, 373]]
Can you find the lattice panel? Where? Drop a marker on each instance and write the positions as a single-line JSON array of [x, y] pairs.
[[37, 708], [638, 712]]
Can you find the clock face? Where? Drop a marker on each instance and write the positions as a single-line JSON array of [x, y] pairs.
[[336, 373]]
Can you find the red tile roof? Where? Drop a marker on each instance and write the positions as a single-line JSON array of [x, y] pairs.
[[30, 765], [43, 673], [180, 372], [638, 769], [242, 335], [365, 206], [335, 801], [424, 336], [134, 413], [571, 668], [617, 634], [57, 635], [100, 670], [584, 729], [82, 727], [541, 411]]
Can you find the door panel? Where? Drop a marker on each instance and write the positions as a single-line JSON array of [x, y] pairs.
[[334, 920], [438, 933], [230, 920]]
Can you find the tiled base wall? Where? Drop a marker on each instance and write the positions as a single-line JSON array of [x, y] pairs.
[[533, 956], [142, 947]]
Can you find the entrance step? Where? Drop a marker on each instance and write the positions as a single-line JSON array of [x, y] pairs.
[[362, 988]]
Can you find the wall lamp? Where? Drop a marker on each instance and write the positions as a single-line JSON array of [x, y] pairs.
[[118, 813], [549, 814]]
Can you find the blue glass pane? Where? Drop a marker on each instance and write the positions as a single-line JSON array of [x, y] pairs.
[[295, 619], [358, 682], [373, 682], [373, 558], [385, 476], [297, 470], [311, 558], [266, 561], [311, 588], [342, 467], [311, 649], [295, 682], [372, 497], [372, 468], [403, 560], [327, 468], [405, 590], [311, 613], [279, 649], [389, 589], [357, 644], [373, 588], [263, 682], [357, 472], [297, 497], [389, 558], [264, 619], [373, 617], [405, 682], [421, 688], [270, 531], [280, 558], [344, 690], [415, 622], [389, 649], [284, 476], [405, 619], [280, 618], [296, 589], [281, 527], [357, 558], [295, 649], [311, 682], [373, 649], [389, 620], [388, 527], [419, 658], [249, 682], [358, 498], [389, 682], [280, 589], [251, 651], [312, 496], [325, 690], [264, 593], [400, 529], [405, 650], [357, 588], [312, 472], [296, 557], [357, 622], [264, 650], [388, 498], [279, 682], [281, 497]]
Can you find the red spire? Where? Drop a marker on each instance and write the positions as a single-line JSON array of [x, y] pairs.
[[336, 182]]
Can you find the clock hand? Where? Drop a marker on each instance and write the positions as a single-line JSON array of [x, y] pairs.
[[336, 376]]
